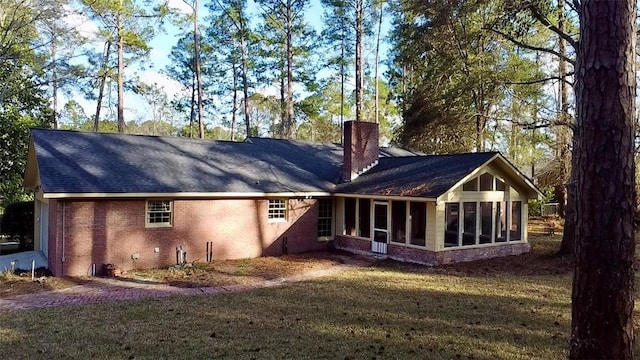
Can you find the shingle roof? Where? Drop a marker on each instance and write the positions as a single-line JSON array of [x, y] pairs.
[[71, 162], [84, 162], [419, 176]]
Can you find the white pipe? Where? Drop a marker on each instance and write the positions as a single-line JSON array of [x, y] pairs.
[[33, 270]]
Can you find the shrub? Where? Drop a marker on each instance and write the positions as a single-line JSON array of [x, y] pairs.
[[535, 206]]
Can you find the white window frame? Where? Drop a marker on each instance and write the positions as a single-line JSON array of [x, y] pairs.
[[330, 218], [277, 210], [149, 211]]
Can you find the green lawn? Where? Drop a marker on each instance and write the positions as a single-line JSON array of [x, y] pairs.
[[389, 311]]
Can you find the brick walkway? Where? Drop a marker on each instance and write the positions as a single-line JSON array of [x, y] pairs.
[[104, 289]]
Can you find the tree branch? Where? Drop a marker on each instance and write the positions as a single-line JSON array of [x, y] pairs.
[[537, 81], [531, 47], [544, 21]]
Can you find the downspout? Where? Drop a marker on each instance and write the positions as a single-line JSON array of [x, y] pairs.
[[64, 207]]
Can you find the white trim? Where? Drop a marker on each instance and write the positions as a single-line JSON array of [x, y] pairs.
[[150, 225], [186, 195], [476, 172], [277, 211]]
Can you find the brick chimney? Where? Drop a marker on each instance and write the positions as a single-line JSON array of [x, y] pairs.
[[360, 148]]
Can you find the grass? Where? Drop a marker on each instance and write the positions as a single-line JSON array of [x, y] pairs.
[[511, 308], [378, 312]]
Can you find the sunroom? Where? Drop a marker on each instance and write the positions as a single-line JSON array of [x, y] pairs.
[[457, 208]]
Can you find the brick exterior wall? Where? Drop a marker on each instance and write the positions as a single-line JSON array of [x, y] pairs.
[[421, 256], [110, 231], [360, 147]]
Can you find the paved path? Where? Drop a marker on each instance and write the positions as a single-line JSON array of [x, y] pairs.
[[109, 289]]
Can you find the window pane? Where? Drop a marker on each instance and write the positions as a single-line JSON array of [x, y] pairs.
[[501, 221], [471, 185], [418, 223], [325, 207], [399, 221], [325, 217], [350, 216], [380, 213], [516, 221], [324, 227], [277, 210], [159, 212], [499, 185], [452, 213], [485, 222], [486, 182], [469, 235], [365, 218]]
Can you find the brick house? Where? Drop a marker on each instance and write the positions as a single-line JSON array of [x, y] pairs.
[[132, 200]]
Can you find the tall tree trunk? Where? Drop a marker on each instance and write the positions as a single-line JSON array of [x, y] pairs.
[[377, 97], [602, 301], [196, 56], [565, 190], [289, 132], [359, 60], [245, 71], [283, 104], [192, 114], [342, 75], [120, 71], [479, 133], [562, 142], [234, 106], [54, 79], [103, 80]]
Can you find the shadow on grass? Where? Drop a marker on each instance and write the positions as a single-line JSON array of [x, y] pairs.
[[361, 314]]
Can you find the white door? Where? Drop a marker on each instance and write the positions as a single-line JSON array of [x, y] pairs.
[[380, 227], [44, 228]]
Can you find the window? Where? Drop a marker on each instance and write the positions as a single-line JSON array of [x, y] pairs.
[[486, 182], [350, 216], [159, 213], [325, 217], [399, 221], [418, 223], [364, 223], [500, 185], [501, 221], [471, 185], [469, 235], [452, 211], [277, 210], [486, 225], [515, 232]]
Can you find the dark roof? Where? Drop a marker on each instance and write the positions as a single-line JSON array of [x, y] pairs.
[[71, 162], [419, 176], [85, 162]]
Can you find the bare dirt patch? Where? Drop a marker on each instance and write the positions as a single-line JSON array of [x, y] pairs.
[[20, 283], [236, 272]]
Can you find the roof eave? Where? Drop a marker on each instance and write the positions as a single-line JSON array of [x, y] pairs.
[[385, 197], [185, 195]]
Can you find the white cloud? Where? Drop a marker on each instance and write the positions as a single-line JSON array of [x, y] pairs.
[[179, 6], [170, 86], [76, 19]]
